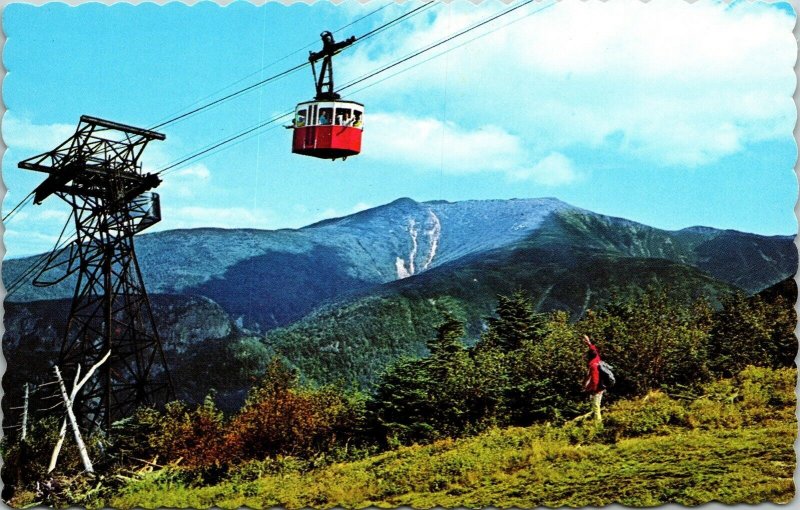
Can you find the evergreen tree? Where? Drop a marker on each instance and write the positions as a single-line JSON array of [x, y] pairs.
[[783, 343], [402, 407], [515, 325], [278, 378], [652, 339], [555, 368], [751, 331], [448, 338]]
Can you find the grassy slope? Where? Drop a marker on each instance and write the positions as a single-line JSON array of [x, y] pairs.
[[651, 451], [514, 468]]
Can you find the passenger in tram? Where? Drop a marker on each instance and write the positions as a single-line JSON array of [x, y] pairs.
[[344, 117], [323, 119], [357, 120]]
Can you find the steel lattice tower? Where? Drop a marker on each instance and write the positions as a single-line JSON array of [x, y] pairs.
[[97, 172]]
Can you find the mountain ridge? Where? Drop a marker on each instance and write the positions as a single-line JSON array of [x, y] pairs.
[[342, 298], [300, 269]]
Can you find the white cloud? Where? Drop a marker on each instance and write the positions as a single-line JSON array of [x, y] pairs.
[[50, 214], [198, 172], [669, 82], [219, 217], [27, 241], [361, 206], [552, 170], [33, 236], [21, 133], [188, 182], [429, 144]]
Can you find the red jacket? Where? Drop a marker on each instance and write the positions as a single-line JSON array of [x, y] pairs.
[[592, 383]]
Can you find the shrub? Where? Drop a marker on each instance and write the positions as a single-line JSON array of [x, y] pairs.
[[768, 387], [755, 395], [280, 418], [707, 413], [654, 412], [653, 340], [132, 437], [195, 437], [751, 331], [252, 470]]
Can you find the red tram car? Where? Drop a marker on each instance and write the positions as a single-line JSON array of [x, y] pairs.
[[327, 127]]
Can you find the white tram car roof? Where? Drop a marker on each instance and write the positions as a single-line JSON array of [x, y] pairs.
[[331, 104]]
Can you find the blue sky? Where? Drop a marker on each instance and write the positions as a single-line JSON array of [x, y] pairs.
[[666, 113]]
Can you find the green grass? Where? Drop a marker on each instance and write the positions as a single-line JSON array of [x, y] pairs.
[[734, 446], [515, 468]]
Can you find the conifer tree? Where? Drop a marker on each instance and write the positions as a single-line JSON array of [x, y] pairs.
[[750, 331], [515, 325], [402, 405], [448, 337]]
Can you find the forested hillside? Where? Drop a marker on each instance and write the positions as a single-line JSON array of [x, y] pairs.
[[343, 298], [702, 398]]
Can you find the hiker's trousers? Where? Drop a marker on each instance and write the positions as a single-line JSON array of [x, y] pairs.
[[596, 399]]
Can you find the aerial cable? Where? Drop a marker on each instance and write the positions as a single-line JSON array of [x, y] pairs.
[[35, 266], [39, 263], [177, 163], [411, 13], [441, 42], [225, 141], [217, 148], [58, 245], [282, 74], [384, 6], [18, 207], [448, 50], [170, 119], [240, 137], [232, 95], [235, 143], [213, 146]]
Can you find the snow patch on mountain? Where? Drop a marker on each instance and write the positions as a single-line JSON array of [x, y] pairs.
[[412, 230], [402, 272], [433, 233]]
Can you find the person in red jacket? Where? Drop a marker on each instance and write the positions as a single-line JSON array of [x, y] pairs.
[[592, 383]]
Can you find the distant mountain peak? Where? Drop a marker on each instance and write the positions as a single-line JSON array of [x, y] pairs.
[[403, 201]]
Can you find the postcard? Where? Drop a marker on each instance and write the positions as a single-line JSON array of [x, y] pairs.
[[419, 254]]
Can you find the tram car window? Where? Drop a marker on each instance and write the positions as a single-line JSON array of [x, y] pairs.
[[325, 116], [343, 116], [300, 118]]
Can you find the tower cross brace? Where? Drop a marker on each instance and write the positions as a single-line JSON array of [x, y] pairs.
[[98, 173]]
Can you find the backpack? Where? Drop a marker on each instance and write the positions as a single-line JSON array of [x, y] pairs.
[[607, 379]]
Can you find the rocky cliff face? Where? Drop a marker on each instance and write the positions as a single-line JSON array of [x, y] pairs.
[[182, 321]]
